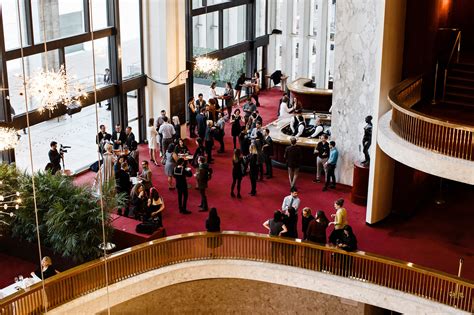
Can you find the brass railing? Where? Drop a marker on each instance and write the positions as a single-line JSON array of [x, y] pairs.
[[359, 266], [435, 134]]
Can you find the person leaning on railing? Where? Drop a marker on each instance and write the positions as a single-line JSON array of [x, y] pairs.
[[46, 270], [340, 221]]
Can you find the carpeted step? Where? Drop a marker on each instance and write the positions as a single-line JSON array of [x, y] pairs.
[[459, 104], [460, 81], [463, 66], [461, 73], [460, 89]]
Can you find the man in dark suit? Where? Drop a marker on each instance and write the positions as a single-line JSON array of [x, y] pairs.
[[54, 158], [293, 161], [201, 123], [268, 153], [203, 175], [200, 102], [130, 138], [102, 137], [180, 172], [118, 137]]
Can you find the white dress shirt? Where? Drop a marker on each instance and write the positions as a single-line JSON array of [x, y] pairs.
[[285, 112], [290, 201], [167, 130]]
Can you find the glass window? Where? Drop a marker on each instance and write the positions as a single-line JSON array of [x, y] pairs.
[[296, 17], [295, 58], [196, 4], [132, 110], [234, 25], [212, 2], [261, 17], [62, 18], [11, 24], [99, 14], [130, 37], [79, 64], [33, 65], [205, 33]]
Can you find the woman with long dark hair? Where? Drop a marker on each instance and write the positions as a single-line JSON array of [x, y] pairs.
[[316, 231], [192, 117], [238, 167], [252, 160], [200, 151], [213, 222], [291, 223], [156, 205], [138, 201], [236, 128]]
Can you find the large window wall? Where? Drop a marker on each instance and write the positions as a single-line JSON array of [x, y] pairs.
[[68, 29], [306, 46], [233, 32]]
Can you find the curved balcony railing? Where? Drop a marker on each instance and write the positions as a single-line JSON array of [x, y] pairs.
[[451, 139], [359, 266]]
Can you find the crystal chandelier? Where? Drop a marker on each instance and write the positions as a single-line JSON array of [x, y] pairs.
[[50, 88], [207, 65], [8, 138]]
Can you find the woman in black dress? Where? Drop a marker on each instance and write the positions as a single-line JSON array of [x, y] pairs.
[[252, 159], [138, 199], [200, 151], [236, 126], [181, 148], [155, 207], [192, 117], [237, 172]]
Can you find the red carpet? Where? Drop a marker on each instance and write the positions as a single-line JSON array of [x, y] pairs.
[[432, 238], [13, 267]]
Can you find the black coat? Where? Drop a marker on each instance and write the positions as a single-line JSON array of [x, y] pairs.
[[122, 181], [213, 225], [202, 124], [268, 146], [129, 140], [293, 156], [180, 173]]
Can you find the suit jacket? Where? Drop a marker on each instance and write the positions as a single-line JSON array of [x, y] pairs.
[[202, 125], [293, 156], [200, 105], [130, 139], [180, 173], [268, 146], [122, 137], [122, 180], [101, 136]]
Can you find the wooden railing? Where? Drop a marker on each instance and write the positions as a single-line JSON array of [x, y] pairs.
[[455, 140], [389, 273]]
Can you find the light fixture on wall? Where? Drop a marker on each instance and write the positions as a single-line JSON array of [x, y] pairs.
[[50, 88], [207, 65]]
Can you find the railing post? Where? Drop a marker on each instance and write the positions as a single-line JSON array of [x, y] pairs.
[[459, 48], [433, 101], [444, 83]]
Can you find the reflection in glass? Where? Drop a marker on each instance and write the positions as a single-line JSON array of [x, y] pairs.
[[79, 64], [234, 25], [261, 12], [130, 37], [205, 33], [11, 24], [33, 64], [62, 18]]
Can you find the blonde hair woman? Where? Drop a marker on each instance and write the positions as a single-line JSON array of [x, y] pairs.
[[152, 140], [46, 270], [252, 160], [106, 171]]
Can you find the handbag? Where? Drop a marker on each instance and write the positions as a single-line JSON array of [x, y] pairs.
[[163, 160]]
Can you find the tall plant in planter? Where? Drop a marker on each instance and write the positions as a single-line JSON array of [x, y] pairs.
[[70, 216]]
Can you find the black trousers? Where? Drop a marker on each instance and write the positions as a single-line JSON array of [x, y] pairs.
[[260, 170], [209, 145], [202, 192], [268, 165], [182, 198], [234, 140], [253, 182], [192, 130], [220, 139], [237, 181], [330, 175]]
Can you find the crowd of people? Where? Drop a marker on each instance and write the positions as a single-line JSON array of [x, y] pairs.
[[252, 158]]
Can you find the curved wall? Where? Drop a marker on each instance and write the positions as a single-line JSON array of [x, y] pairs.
[[421, 159], [239, 269]]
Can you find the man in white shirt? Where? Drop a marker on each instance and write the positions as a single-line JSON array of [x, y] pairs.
[[167, 132], [285, 111], [291, 200], [258, 128]]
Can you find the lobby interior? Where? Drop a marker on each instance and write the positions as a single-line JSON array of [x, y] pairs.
[[408, 64]]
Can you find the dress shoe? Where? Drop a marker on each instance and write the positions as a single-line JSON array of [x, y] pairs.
[[232, 194], [203, 210], [325, 188], [239, 196]]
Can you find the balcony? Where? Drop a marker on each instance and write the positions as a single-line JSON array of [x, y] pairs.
[[431, 144], [363, 277]]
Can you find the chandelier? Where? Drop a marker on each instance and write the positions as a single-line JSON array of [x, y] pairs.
[[50, 88], [8, 138], [207, 65]]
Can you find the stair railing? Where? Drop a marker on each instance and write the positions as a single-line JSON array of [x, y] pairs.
[[457, 44]]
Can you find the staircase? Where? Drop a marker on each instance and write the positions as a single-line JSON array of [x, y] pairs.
[[460, 85]]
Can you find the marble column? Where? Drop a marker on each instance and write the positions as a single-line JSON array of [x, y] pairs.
[[165, 51], [358, 51]]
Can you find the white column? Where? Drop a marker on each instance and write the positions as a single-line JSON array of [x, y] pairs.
[[358, 55], [321, 44], [165, 52]]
